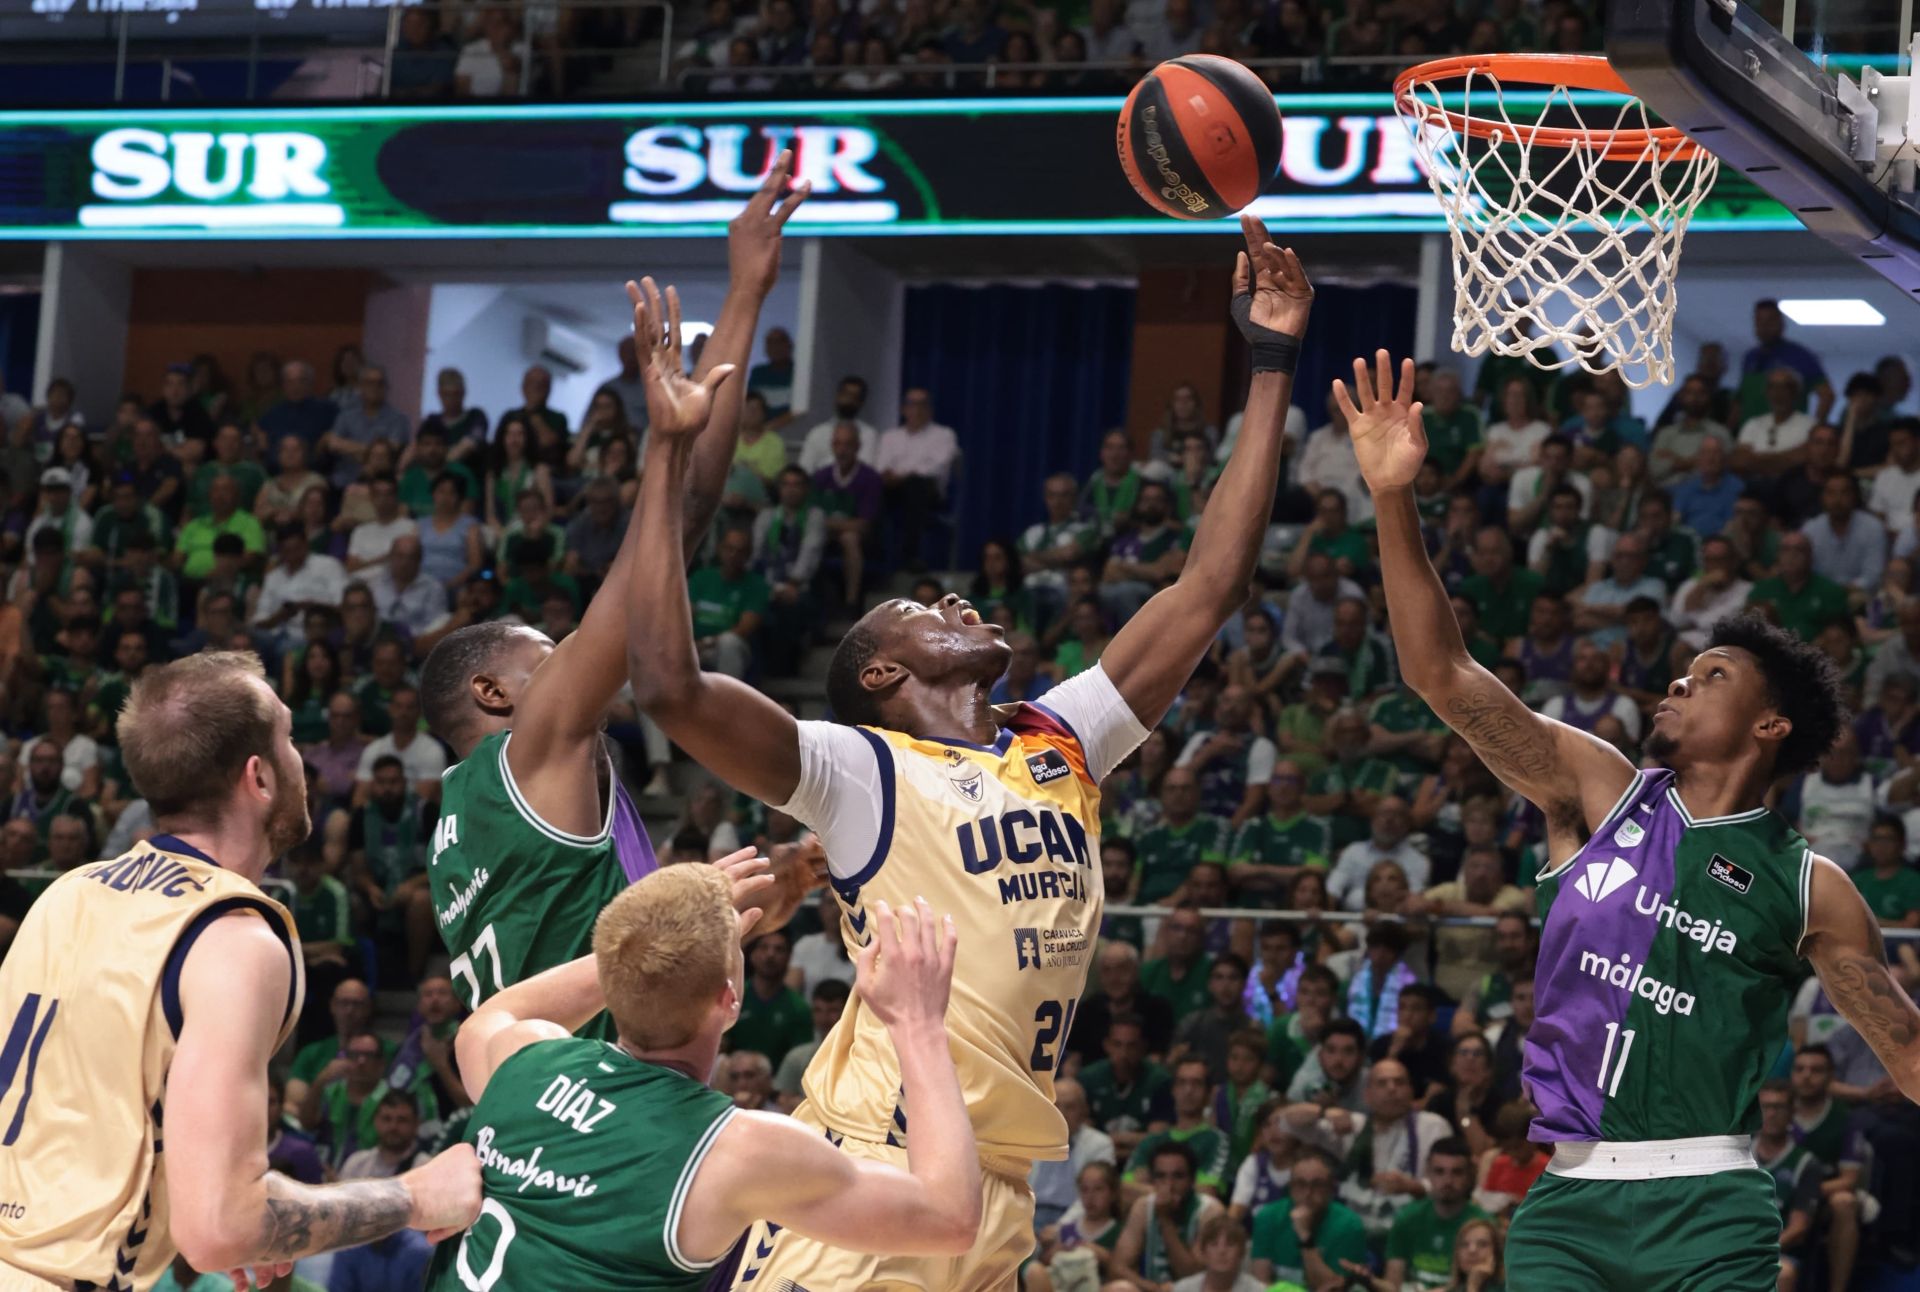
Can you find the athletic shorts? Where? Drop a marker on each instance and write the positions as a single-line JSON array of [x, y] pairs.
[[772, 1259], [1717, 1232]]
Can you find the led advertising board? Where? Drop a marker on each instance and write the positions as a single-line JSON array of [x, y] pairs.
[[878, 167]]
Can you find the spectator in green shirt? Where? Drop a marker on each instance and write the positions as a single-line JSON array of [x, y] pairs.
[[324, 917], [1126, 1089], [193, 550], [1501, 592], [229, 448], [1890, 885], [759, 447], [1455, 435], [1184, 837], [1180, 977], [428, 460], [1421, 1242], [729, 600], [1353, 782], [1190, 1127], [1111, 491], [1306, 1237], [1271, 849], [323, 1060], [773, 1016], [1799, 600]]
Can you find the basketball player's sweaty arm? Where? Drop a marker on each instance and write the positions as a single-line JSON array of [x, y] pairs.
[[229, 1210], [1847, 950], [1572, 777], [559, 714], [1152, 657]]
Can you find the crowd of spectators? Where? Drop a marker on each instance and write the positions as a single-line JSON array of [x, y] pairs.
[[732, 48], [1293, 1062]]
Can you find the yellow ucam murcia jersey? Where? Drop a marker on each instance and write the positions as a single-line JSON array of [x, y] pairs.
[[90, 1006], [1005, 838]]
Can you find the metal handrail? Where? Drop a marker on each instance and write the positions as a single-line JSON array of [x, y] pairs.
[[1262, 916]]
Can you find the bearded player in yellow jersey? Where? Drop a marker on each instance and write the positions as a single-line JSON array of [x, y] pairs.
[[990, 813], [141, 1000]]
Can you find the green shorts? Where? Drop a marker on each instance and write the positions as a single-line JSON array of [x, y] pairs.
[[1695, 1233]]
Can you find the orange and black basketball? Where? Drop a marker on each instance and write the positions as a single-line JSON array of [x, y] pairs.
[[1199, 137]]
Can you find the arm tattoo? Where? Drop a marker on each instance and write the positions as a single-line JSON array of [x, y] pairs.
[[302, 1219], [1867, 995], [1513, 747]]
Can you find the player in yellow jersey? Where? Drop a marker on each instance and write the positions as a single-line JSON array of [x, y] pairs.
[[990, 813], [142, 998]]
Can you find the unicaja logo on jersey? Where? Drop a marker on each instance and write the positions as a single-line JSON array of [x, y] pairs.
[[1603, 879], [1629, 834]]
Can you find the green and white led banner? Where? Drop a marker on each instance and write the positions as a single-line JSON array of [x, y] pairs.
[[946, 166]]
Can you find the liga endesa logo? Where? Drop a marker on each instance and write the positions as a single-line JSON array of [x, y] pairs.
[[684, 174]]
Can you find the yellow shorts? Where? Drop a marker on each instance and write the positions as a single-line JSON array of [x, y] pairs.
[[787, 1262], [13, 1279]]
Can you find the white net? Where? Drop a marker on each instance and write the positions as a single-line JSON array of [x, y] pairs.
[[1566, 236]]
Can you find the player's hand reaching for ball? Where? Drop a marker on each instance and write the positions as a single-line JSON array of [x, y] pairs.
[[676, 403], [1281, 294], [753, 236], [445, 1193], [905, 971], [1389, 438], [749, 876]]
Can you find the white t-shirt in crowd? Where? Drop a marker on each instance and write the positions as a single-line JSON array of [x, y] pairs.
[[1763, 434], [1892, 495], [372, 540], [816, 450], [1515, 446], [424, 759]]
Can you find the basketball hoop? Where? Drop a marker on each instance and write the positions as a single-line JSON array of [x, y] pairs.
[[1563, 234]]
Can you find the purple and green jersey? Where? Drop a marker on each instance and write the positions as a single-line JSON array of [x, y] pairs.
[[514, 895], [1669, 953]]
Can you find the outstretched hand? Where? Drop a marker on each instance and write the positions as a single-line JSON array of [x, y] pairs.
[[753, 236], [676, 403], [1282, 296], [905, 971], [1389, 437], [749, 876]]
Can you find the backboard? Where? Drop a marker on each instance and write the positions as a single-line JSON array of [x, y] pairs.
[[1808, 99]]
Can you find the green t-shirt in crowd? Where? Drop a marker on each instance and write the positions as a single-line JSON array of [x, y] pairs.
[[324, 915], [1503, 608], [1298, 840], [718, 602], [1168, 853], [1349, 545], [1890, 898], [1402, 711], [197, 535], [1123, 1107], [1308, 727], [416, 487], [1111, 502], [1674, 558], [1424, 1240], [772, 1025], [1188, 996], [1451, 436], [1210, 1149], [1376, 775], [1340, 1236], [248, 475], [1806, 612], [766, 455], [1828, 1138], [316, 1055]]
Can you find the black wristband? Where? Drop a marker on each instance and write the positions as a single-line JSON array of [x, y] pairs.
[[1273, 351]]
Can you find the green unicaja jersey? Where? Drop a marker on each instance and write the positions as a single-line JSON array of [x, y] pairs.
[[586, 1156], [1669, 953], [513, 895]]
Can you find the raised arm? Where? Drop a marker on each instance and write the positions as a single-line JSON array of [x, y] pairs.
[[1151, 658], [229, 1210], [1844, 943], [753, 266], [728, 727], [769, 1167], [1573, 777]]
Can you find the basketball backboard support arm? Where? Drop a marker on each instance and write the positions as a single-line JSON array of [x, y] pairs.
[[1814, 140]]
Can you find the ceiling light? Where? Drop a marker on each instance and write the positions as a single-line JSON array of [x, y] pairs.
[[1845, 312]]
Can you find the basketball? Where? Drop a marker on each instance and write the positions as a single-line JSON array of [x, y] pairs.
[[1199, 137]]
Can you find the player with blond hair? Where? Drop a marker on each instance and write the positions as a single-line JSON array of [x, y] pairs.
[[614, 1167]]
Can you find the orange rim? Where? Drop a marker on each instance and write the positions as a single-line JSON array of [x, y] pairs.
[[1569, 71]]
